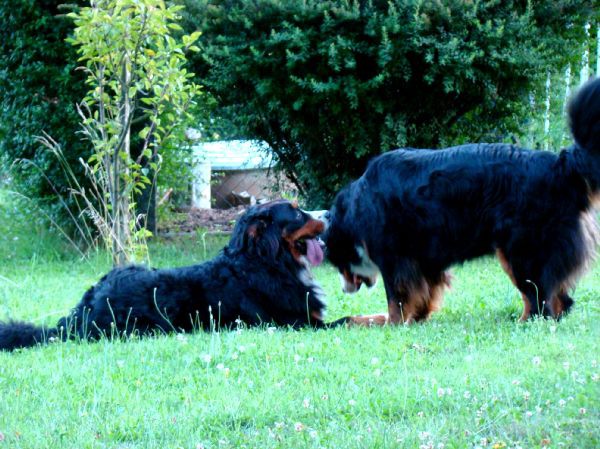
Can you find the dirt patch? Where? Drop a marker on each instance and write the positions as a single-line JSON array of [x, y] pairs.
[[193, 219]]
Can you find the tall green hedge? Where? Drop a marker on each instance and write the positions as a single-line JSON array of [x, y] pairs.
[[39, 89], [329, 84]]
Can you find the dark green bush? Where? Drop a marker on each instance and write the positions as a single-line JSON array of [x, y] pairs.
[[329, 84], [40, 87]]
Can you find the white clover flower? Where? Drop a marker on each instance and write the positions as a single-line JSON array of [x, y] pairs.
[[423, 435], [181, 337], [206, 358], [536, 360]]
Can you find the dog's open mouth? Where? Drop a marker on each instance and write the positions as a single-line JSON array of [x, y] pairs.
[[305, 245], [311, 249], [352, 282]]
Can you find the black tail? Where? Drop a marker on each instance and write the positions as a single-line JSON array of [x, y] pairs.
[[584, 118], [17, 334]]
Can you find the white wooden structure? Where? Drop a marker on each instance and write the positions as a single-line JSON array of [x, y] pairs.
[[225, 156]]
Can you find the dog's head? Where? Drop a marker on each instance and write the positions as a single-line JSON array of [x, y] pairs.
[[347, 252], [267, 230]]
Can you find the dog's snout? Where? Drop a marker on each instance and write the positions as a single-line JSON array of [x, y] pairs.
[[321, 215]]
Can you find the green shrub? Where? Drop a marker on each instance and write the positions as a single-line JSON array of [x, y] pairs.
[[40, 88], [329, 84]]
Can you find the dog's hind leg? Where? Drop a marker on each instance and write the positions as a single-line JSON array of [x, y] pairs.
[[561, 303], [506, 266], [540, 290]]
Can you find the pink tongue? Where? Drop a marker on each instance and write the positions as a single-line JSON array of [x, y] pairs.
[[314, 253]]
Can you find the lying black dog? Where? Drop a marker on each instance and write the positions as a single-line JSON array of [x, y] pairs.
[[414, 213], [262, 276]]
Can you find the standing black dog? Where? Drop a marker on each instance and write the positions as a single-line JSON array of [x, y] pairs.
[[414, 213], [262, 276]]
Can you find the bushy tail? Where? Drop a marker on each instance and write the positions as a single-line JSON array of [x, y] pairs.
[[584, 117], [17, 334]]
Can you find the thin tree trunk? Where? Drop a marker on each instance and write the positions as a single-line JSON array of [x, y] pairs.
[[122, 232]]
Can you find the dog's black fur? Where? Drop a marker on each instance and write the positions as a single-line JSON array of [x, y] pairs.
[[414, 213], [262, 276]]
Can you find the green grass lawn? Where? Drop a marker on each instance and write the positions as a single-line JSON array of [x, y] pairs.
[[470, 377]]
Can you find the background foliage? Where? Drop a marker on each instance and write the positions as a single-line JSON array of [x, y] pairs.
[[40, 87], [329, 84]]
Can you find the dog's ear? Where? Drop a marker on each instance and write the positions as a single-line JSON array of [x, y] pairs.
[[256, 235]]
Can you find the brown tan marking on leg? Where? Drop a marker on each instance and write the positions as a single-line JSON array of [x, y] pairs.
[[409, 304], [315, 314], [557, 307], [416, 304], [556, 304], [508, 270], [428, 297], [394, 312], [526, 308], [436, 297]]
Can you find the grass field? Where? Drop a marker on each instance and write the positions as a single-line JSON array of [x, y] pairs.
[[470, 377]]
